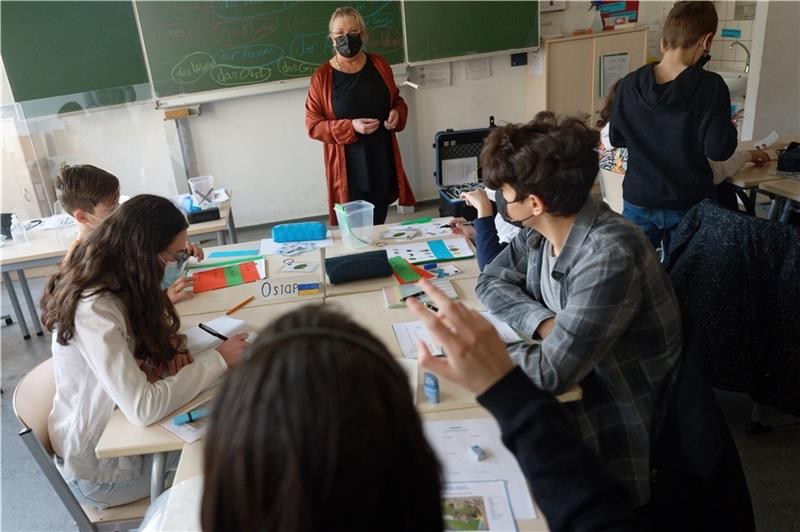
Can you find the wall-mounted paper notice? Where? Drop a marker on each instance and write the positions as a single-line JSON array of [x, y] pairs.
[[537, 62], [479, 68], [430, 76], [613, 67]]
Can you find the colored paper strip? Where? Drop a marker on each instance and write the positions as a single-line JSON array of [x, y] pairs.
[[440, 250]]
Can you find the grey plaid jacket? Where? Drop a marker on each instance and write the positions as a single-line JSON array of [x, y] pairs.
[[618, 335]]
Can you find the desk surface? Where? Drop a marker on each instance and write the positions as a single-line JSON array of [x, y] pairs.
[[752, 176], [222, 300], [46, 245], [212, 226], [51, 245], [191, 463], [786, 188], [122, 438]]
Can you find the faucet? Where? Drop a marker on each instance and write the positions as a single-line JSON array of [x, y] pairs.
[[747, 62]]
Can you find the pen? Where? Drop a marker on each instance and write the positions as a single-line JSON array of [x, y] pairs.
[[430, 306], [212, 332], [451, 224], [191, 415], [240, 305]]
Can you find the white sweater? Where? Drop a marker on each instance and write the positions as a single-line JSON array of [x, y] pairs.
[[96, 372]]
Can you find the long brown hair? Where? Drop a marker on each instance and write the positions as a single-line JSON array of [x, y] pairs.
[[120, 257], [317, 430]]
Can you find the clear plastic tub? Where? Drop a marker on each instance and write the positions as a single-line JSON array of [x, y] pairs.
[[356, 223], [202, 188]]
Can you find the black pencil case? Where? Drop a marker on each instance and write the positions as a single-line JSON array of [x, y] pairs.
[[347, 268]]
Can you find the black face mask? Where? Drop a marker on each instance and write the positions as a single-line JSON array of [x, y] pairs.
[[347, 45], [706, 57], [502, 208]]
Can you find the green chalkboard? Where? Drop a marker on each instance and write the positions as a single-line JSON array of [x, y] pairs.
[[440, 30], [200, 46], [57, 49]]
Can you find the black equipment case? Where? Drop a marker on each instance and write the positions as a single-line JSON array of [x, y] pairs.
[[457, 168]]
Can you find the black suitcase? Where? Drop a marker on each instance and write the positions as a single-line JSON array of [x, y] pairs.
[[457, 168]]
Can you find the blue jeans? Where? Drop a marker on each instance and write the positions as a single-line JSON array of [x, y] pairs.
[[106, 494], [658, 224]]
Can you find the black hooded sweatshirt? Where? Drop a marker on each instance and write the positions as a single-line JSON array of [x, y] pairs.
[[671, 130]]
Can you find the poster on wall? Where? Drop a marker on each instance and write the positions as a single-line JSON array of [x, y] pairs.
[[615, 14]]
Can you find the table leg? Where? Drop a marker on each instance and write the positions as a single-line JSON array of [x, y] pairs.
[[157, 476], [787, 212], [12, 295], [221, 238], [232, 228], [26, 291], [774, 208]]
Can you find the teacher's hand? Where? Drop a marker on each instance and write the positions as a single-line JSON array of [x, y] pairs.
[[391, 122], [365, 126]]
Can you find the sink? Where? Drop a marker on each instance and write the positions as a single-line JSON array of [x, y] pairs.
[[736, 82]]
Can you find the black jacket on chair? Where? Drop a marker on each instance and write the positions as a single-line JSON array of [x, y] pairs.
[[697, 481], [740, 276]]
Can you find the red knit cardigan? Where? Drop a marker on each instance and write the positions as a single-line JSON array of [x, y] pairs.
[[322, 125]]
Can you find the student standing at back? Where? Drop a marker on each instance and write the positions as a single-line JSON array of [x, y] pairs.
[[673, 116]]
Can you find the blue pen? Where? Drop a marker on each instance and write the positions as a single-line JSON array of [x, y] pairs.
[[192, 415]]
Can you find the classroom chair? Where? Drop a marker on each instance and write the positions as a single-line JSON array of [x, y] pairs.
[[611, 189], [33, 401]]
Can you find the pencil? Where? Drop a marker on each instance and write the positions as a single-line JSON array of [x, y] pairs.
[[240, 305]]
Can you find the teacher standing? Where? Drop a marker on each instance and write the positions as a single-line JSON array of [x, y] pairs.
[[354, 107]]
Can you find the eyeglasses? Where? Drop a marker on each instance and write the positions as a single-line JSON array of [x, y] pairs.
[[180, 257], [351, 33]]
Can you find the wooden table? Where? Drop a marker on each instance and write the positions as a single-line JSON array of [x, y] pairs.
[[364, 304], [786, 193], [191, 463], [48, 247], [750, 177], [223, 300]]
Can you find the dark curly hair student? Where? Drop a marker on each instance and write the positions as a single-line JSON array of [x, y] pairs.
[[318, 431], [555, 161]]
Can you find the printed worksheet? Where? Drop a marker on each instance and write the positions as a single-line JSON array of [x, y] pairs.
[[432, 250], [408, 332], [451, 440], [477, 506]]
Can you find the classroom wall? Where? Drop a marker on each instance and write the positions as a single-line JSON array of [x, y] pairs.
[[773, 89], [258, 146]]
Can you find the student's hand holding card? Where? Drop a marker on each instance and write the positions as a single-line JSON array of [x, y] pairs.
[[476, 356]]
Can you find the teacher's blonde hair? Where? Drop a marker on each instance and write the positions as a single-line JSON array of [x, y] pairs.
[[347, 12]]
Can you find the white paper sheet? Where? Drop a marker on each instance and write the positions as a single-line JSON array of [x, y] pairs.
[[408, 332], [767, 141], [478, 68], [477, 506], [451, 441], [197, 340], [432, 228], [460, 171], [289, 249], [421, 252]]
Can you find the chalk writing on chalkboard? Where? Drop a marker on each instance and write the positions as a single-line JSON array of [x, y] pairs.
[[200, 46]]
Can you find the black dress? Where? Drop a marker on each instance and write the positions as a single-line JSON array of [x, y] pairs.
[[371, 174]]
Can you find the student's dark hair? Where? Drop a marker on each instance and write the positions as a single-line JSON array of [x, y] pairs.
[[556, 161], [608, 105], [83, 186], [317, 430], [120, 257], [687, 22]]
